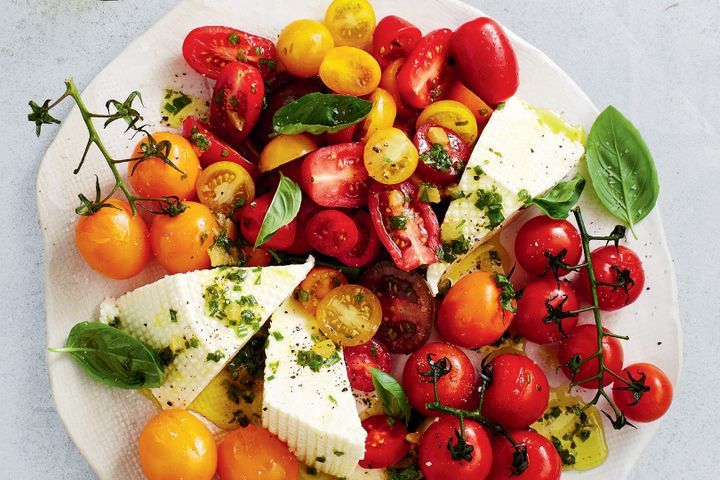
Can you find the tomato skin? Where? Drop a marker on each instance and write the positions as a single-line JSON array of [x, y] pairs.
[[423, 76], [385, 444], [486, 60], [532, 310], [236, 102], [543, 235], [335, 176], [283, 149], [331, 232], [654, 403], [481, 110], [367, 247], [318, 283], [583, 342], [346, 135], [254, 257], [388, 81], [253, 452], [351, 22], [250, 218], [454, 389], [113, 241], [307, 209], [543, 460], [382, 114], [350, 71], [434, 457], [606, 262], [518, 393], [456, 149], [302, 45], [394, 37], [359, 361]]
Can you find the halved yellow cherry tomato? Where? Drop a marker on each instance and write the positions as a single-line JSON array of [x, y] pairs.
[[390, 157], [382, 114], [452, 115], [351, 22], [350, 71], [318, 283], [222, 184], [302, 45], [284, 149], [349, 315]]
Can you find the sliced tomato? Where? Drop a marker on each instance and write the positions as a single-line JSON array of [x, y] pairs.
[[346, 135], [208, 49], [367, 247], [443, 154], [385, 444], [424, 76], [408, 228], [361, 359], [307, 209], [331, 232], [250, 218], [394, 37], [388, 81], [335, 176], [236, 102]]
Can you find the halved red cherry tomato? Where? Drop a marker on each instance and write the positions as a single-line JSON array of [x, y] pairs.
[[385, 443], [436, 460], [541, 310], [331, 232], [407, 305], [254, 257], [361, 359], [543, 236], [656, 396], [443, 154], [388, 81], [394, 37], [300, 246], [481, 110], [367, 247], [409, 229], [236, 102], [582, 344], [486, 60], [208, 49], [423, 77], [335, 176], [346, 135], [250, 218], [543, 460], [614, 265]]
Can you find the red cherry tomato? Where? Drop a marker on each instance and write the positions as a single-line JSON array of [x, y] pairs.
[[346, 135], [331, 232], [389, 82], [583, 343], [653, 403], [518, 393], [486, 60], [542, 236], [443, 154], [236, 102], [539, 317], [455, 389], [423, 77], [335, 176], [435, 457], [301, 246], [408, 228], [367, 247], [543, 460], [385, 443], [394, 37], [250, 218], [361, 359], [614, 265]]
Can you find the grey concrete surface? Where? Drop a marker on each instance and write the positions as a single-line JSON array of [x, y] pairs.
[[657, 60]]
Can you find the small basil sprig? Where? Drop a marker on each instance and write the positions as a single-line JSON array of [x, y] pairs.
[[283, 209], [391, 394], [621, 167], [113, 357], [558, 202], [320, 113]]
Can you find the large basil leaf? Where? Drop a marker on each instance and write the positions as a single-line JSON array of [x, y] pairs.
[[283, 209], [391, 394], [561, 198], [621, 167], [114, 357], [319, 113]]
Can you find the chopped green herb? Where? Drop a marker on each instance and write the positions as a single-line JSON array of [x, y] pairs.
[[449, 251], [338, 453], [524, 197], [115, 322], [314, 361], [268, 62], [302, 295], [224, 153], [234, 39], [177, 104], [199, 140], [398, 222], [438, 158], [166, 356], [332, 399], [491, 202], [277, 336], [215, 356]]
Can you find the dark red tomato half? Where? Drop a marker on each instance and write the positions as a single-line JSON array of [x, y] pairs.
[[250, 218], [614, 266], [436, 459], [657, 393], [331, 232], [385, 443], [394, 37], [541, 310], [543, 460], [582, 344], [360, 361], [367, 247], [236, 102], [301, 246], [335, 176], [408, 228], [424, 78], [408, 308], [346, 135], [543, 236], [443, 154], [210, 149], [208, 49], [486, 60]]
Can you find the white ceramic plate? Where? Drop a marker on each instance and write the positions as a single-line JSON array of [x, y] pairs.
[[104, 423]]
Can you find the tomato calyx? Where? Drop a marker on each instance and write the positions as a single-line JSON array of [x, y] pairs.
[[461, 450], [556, 314], [636, 386]]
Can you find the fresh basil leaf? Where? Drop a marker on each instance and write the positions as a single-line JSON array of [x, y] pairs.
[[391, 394], [319, 113], [283, 209], [621, 167], [561, 198], [113, 357]]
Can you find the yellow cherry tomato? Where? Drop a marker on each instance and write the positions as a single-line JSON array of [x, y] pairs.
[[382, 114], [350, 71], [351, 22], [349, 315], [175, 445], [452, 115], [222, 184], [253, 453], [302, 45], [390, 157], [284, 149]]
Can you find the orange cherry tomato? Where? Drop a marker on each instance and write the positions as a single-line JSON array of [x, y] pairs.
[[180, 244], [319, 282], [382, 114], [253, 453], [152, 177], [388, 81], [113, 241], [254, 257], [302, 45], [481, 110], [350, 71], [284, 149], [175, 445]]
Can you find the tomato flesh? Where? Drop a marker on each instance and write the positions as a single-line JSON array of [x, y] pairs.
[[335, 176], [394, 37], [423, 77], [361, 359], [250, 218], [331, 232], [367, 247], [385, 443], [236, 102], [443, 154]]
